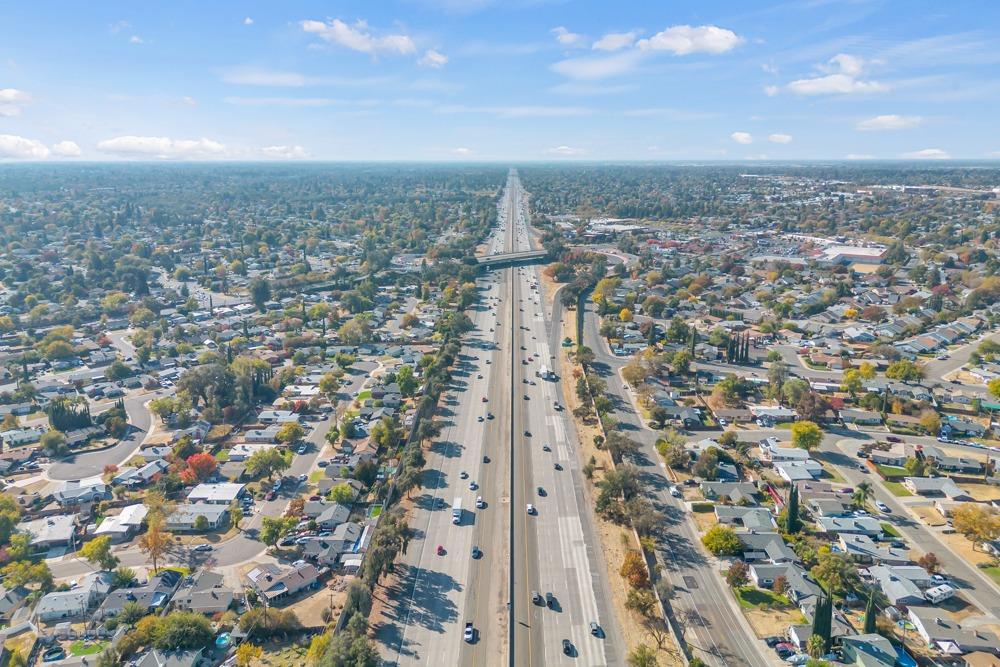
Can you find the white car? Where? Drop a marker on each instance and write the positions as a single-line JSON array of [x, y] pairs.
[[882, 507], [675, 492], [531, 508]]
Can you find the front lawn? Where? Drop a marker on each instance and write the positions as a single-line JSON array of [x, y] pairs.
[[896, 488], [993, 572], [222, 455], [889, 529], [892, 471], [753, 598]]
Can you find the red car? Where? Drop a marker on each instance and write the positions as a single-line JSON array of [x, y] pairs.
[[440, 550], [271, 495]]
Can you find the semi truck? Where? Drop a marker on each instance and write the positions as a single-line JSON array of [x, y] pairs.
[[456, 511]]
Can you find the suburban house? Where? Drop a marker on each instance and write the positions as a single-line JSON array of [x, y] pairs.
[[865, 525], [734, 492], [935, 487], [184, 518], [860, 417], [244, 451], [327, 515], [864, 550], [943, 634], [123, 525], [76, 602], [766, 547], [52, 531], [800, 586], [902, 584], [77, 492], [154, 595], [751, 518], [771, 451], [205, 594], [874, 650], [223, 493], [274, 582], [134, 477], [261, 436]]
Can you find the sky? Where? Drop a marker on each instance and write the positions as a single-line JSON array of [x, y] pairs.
[[500, 80]]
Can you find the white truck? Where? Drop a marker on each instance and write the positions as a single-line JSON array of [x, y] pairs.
[[544, 373], [456, 511]]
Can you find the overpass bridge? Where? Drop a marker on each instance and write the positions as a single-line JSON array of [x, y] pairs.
[[511, 258]]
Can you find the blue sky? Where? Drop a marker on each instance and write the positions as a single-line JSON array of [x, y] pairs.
[[500, 80]]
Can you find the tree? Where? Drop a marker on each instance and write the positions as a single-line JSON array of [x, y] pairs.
[[738, 574], [862, 493], [620, 445], [852, 382], [994, 387], [978, 523], [792, 520], [930, 421], [156, 540], [721, 540], [780, 585], [201, 523], [835, 572], [329, 384], [904, 370], [200, 467], [870, 614], [53, 443], [822, 625], [342, 493], [181, 630], [816, 646], [125, 577], [929, 561], [625, 315], [641, 601], [776, 376], [98, 552], [290, 432], [260, 293], [811, 406], [673, 453], [266, 462], [916, 466], [634, 571], [806, 435], [10, 515], [247, 654], [131, 613], [642, 656], [157, 506], [22, 573], [274, 528]]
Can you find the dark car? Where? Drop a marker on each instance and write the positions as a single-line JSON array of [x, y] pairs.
[[893, 438], [549, 599], [772, 641], [567, 647], [536, 598]]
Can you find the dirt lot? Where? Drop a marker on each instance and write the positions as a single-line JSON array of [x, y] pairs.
[[929, 515], [963, 548], [705, 520], [310, 609], [982, 492], [774, 621]]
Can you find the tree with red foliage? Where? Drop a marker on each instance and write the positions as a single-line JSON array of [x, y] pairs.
[[200, 467]]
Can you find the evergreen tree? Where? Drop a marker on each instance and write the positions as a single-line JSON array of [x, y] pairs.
[[792, 521], [870, 614], [823, 620]]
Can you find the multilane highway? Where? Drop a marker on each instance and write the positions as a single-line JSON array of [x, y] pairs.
[[465, 572]]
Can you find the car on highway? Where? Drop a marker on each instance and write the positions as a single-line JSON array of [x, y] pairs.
[[476, 553], [549, 599], [527, 434], [530, 508], [470, 632], [567, 647], [558, 466], [595, 629], [541, 491], [485, 399], [546, 447], [440, 550], [536, 598], [480, 503], [479, 418], [463, 475], [489, 415]]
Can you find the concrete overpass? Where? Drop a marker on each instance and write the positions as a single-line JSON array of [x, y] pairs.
[[511, 258]]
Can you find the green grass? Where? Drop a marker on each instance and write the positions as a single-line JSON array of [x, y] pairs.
[[315, 476], [752, 598], [80, 647], [896, 489], [785, 425], [892, 471], [993, 572], [222, 455], [889, 529], [365, 395], [702, 507]]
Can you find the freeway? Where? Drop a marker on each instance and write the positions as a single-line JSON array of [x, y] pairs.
[[555, 549], [715, 629], [485, 416]]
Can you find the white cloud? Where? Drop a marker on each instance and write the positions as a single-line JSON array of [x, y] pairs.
[[162, 147], [433, 59], [841, 78], [284, 152], [780, 138], [771, 91], [742, 137], [462, 151], [859, 156], [578, 88], [566, 151], [684, 40], [359, 37], [526, 111], [12, 100], [769, 68], [135, 39], [835, 84], [670, 113], [613, 41], [928, 154], [66, 149], [20, 148], [567, 38], [248, 21], [282, 101], [597, 67], [262, 76], [889, 122], [189, 101]]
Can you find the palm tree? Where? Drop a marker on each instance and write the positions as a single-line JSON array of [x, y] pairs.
[[862, 492]]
